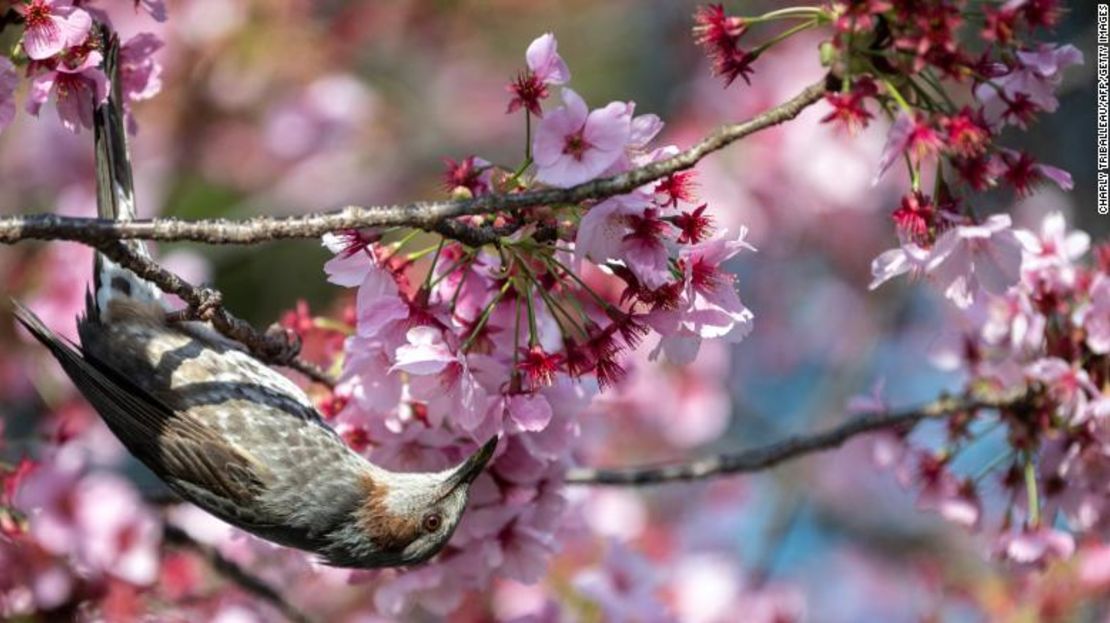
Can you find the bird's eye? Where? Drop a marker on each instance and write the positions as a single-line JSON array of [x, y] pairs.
[[432, 522]]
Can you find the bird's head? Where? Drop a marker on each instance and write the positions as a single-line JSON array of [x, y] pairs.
[[406, 518]]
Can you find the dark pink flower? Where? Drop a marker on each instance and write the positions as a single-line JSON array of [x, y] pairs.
[[539, 366], [917, 218], [643, 248], [912, 135], [694, 226], [966, 133], [471, 173], [719, 35], [545, 67], [1024, 173], [849, 110], [676, 187], [1034, 80]]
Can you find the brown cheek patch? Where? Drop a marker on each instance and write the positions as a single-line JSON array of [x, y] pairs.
[[389, 531]]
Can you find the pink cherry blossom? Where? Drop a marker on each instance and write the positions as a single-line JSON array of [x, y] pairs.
[[77, 90], [603, 226], [574, 145], [367, 378], [909, 134], [624, 586], [544, 60], [140, 74], [710, 307], [1054, 246], [1037, 545], [644, 248], [52, 26], [352, 261], [96, 519], [972, 258], [1036, 77], [526, 412], [1097, 316], [441, 377], [908, 258], [380, 308], [1070, 387]]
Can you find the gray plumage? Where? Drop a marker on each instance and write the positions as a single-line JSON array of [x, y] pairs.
[[225, 431]]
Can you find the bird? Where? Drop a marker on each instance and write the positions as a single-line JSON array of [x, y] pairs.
[[225, 431]]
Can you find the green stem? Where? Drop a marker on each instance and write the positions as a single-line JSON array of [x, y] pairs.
[[528, 136], [915, 174], [458, 291], [902, 103], [935, 84], [405, 239], [1031, 493], [328, 324], [516, 334], [533, 333], [808, 12], [786, 34], [450, 270], [432, 269], [597, 297], [484, 318]]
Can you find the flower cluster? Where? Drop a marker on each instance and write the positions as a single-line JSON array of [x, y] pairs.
[[902, 59], [453, 344], [1040, 348], [60, 50], [1035, 319]]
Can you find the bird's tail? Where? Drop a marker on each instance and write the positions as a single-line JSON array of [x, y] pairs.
[[115, 191]]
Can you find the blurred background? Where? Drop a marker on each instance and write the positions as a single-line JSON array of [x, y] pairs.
[[285, 106]]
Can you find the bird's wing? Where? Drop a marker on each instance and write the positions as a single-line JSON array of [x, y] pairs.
[[175, 446]]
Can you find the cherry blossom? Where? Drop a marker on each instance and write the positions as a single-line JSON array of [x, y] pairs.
[[1035, 78], [573, 144], [1097, 316], [545, 67], [77, 90], [970, 258], [52, 26]]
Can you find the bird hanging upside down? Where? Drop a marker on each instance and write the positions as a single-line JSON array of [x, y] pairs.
[[225, 431]]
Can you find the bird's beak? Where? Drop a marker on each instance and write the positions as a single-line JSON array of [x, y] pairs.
[[473, 466]]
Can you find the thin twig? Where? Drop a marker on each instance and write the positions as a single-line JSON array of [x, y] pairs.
[[234, 573], [764, 457], [273, 347], [430, 216]]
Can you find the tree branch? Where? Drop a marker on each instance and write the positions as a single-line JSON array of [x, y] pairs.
[[234, 573], [273, 347], [430, 216], [768, 456]]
